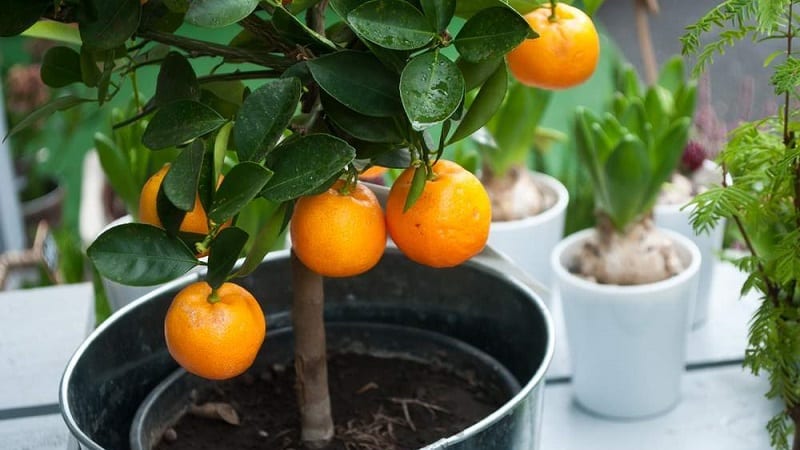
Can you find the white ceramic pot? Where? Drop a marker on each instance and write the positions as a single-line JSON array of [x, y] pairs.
[[673, 217], [528, 242], [627, 343]]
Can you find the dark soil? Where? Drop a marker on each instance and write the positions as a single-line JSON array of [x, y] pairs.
[[378, 404]]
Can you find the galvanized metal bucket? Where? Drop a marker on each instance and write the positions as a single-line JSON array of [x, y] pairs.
[[478, 303]]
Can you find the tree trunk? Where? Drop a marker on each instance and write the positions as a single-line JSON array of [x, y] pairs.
[[310, 356]]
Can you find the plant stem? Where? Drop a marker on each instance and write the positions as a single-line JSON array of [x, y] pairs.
[[310, 356], [553, 16], [643, 9]]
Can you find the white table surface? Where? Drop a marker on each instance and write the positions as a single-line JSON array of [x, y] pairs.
[[722, 405]]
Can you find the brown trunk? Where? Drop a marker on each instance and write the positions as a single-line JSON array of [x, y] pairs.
[[310, 363]]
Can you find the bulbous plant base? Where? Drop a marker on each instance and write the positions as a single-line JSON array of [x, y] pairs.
[[382, 396]]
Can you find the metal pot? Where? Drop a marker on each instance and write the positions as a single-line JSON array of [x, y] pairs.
[[114, 370]]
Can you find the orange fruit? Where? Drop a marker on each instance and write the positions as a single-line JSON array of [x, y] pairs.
[[337, 233], [564, 55], [449, 222], [195, 221], [373, 172], [214, 340]]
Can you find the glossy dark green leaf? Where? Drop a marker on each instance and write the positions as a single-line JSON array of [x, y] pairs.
[[218, 13], [366, 128], [171, 216], [179, 122], [180, 183], [292, 28], [475, 74], [157, 16], [263, 116], [359, 81], [179, 6], [176, 80], [225, 249], [107, 24], [18, 15], [140, 255], [431, 88], [58, 104], [490, 34], [485, 105], [242, 184], [439, 12], [90, 73], [343, 7], [417, 186], [61, 66], [626, 171], [266, 239], [392, 24], [304, 164]]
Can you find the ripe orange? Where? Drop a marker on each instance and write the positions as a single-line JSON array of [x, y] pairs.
[[339, 234], [195, 221], [564, 55], [214, 340], [373, 172], [448, 224]]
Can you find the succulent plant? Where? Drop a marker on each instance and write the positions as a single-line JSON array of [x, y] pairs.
[[632, 149]]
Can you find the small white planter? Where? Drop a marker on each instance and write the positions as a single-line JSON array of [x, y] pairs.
[[672, 217], [627, 343], [528, 242]]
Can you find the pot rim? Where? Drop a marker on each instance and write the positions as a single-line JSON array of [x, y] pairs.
[[558, 208], [495, 416], [626, 292]]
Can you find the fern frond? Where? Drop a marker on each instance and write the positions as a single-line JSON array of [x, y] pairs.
[[780, 428], [771, 13], [735, 14], [786, 76]]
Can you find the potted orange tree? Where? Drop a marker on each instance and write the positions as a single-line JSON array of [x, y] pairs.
[[302, 96]]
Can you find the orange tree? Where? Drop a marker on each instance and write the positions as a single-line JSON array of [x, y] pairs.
[[301, 94]]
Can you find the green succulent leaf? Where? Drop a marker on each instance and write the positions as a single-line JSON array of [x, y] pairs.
[[242, 184], [358, 81], [264, 116], [491, 33], [180, 183], [218, 13], [61, 66], [140, 255], [588, 147], [180, 122], [305, 164], [431, 88], [667, 151], [117, 167], [223, 253], [672, 74], [392, 24], [485, 105], [439, 12], [626, 171], [107, 24]]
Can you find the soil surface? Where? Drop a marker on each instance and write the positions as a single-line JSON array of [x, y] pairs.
[[378, 404]]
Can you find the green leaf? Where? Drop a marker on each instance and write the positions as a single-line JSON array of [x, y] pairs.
[[439, 12], [225, 249], [417, 186], [475, 74], [266, 239], [358, 81], [587, 151], [18, 15], [48, 29], [179, 122], [58, 104], [343, 7], [392, 24], [218, 13], [293, 29], [176, 80], [140, 255], [491, 33], [117, 170], [241, 185], [591, 6], [171, 216], [365, 128], [626, 171], [669, 149], [485, 105], [180, 183], [61, 67], [90, 73], [304, 164], [672, 76], [263, 116], [107, 24], [431, 88]]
